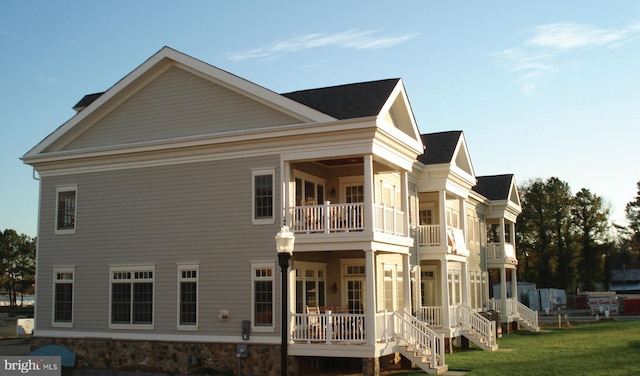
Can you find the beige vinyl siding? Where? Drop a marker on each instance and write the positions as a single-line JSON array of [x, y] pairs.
[[160, 216], [177, 104]]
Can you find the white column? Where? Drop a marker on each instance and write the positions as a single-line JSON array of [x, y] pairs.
[[406, 279], [370, 294], [502, 236], [445, 293], [463, 218], [465, 284], [514, 285], [404, 189], [503, 290], [368, 194], [443, 218], [286, 192]]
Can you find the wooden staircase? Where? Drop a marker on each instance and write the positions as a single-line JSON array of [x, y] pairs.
[[478, 329], [420, 344]]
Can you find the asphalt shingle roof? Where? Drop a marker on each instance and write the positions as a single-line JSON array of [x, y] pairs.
[[494, 187], [439, 147], [347, 101]]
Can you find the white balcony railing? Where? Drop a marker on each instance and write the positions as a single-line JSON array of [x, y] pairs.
[[329, 218], [431, 315], [328, 327], [495, 252], [429, 235], [389, 219]]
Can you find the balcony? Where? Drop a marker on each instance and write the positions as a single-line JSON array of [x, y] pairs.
[[340, 218], [430, 240], [498, 253]]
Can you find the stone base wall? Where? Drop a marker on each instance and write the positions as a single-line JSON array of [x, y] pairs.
[[167, 357]]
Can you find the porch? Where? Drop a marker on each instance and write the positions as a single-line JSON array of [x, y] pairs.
[[328, 333], [430, 239], [512, 310], [334, 218]]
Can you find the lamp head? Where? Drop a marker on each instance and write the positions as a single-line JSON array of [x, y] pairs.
[[285, 240]]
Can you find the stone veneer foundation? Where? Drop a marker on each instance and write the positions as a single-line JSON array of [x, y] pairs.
[[168, 357], [190, 358]]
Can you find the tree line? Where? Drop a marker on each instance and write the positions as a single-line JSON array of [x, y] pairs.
[[17, 263], [568, 241]]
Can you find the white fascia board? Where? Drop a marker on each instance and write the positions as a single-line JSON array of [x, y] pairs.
[[391, 155], [240, 85], [399, 90]]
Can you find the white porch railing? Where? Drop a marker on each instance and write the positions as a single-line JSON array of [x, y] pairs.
[[328, 218], [429, 235], [328, 327], [431, 315], [494, 252], [415, 333], [389, 219], [521, 312], [480, 326]]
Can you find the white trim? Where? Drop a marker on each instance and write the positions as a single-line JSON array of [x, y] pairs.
[[150, 336], [180, 268], [61, 189], [263, 265], [263, 172], [56, 271], [171, 57], [132, 269]]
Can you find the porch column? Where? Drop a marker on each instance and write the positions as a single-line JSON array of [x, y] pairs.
[[465, 284], [502, 237], [406, 271], [368, 194], [514, 285], [445, 290], [370, 302], [503, 290], [513, 236], [404, 191], [443, 218], [286, 191], [463, 218]]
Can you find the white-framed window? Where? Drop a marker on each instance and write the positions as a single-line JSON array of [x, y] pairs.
[[473, 230], [131, 297], [426, 217], [262, 296], [188, 296], [66, 203], [310, 285], [263, 188], [63, 297]]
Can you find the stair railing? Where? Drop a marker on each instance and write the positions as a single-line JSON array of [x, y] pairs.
[[422, 338], [473, 321]]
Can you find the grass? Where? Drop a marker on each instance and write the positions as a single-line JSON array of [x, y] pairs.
[[599, 348]]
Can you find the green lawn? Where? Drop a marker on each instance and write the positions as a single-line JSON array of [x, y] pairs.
[[599, 348]]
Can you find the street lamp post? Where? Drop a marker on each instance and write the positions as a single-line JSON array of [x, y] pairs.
[[284, 246]]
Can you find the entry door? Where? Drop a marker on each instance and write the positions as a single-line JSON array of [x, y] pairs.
[[355, 294], [428, 281]]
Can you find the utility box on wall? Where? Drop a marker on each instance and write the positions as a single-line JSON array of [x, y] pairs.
[[246, 329]]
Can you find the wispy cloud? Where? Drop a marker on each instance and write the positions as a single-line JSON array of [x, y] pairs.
[[351, 39], [538, 56]]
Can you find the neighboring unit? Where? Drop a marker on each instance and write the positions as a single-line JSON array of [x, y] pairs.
[[161, 197]]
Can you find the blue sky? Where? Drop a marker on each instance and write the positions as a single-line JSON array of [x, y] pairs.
[[540, 88]]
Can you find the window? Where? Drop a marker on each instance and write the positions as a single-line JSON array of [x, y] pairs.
[[187, 297], [426, 217], [263, 193], [66, 210], [262, 296], [309, 189], [132, 297], [63, 297]]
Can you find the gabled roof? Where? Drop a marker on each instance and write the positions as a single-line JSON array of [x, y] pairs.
[[347, 101], [495, 187], [440, 147]]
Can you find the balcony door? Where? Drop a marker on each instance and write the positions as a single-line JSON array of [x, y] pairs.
[[309, 189], [354, 291]]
